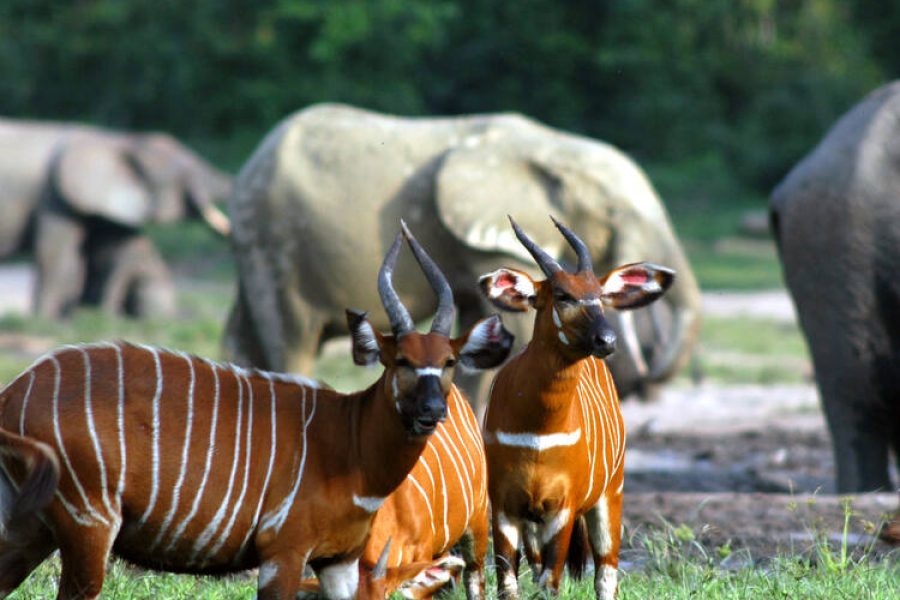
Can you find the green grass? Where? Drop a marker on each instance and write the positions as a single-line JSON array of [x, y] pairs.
[[673, 566], [749, 350], [707, 207], [123, 582]]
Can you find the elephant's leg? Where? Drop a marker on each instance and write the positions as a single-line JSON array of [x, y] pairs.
[[241, 344], [302, 348], [849, 394], [61, 266], [126, 274], [151, 291]]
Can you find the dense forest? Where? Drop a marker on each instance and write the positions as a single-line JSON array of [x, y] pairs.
[[752, 82]]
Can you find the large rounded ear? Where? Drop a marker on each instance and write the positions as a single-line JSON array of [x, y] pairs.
[[635, 285], [486, 345], [509, 289], [93, 174], [478, 187], [366, 341], [184, 183]]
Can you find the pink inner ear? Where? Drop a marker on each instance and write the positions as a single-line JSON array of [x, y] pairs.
[[635, 277], [504, 280]]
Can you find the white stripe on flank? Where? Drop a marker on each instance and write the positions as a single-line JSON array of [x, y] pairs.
[[25, 404], [265, 487], [209, 455], [425, 498], [277, 517], [213, 526], [239, 504], [538, 442], [459, 447], [65, 456], [185, 453], [92, 432], [154, 486], [475, 442], [369, 504], [563, 338], [440, 470], [77, 516], [439, 435], [120, 424]]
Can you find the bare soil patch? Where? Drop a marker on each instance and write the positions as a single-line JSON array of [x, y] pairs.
[[750, 467]]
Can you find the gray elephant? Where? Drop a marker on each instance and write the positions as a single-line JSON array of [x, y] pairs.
[[836, 219], [80, 197], [316, 205]]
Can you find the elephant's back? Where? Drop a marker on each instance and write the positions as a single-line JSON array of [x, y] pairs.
[[837, 220], [323, 196], [853, 155], [26, 148]]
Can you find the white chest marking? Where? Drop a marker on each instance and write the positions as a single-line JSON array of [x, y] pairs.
[[537, 442], [429, 371], [368, 503]]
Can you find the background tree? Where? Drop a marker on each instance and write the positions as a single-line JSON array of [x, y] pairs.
[[752, 82]]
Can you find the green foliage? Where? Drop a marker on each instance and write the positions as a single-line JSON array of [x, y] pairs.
[[756, 82]]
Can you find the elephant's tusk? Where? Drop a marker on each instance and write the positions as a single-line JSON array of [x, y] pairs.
[[216, 219], [681, 322], [632, 343]]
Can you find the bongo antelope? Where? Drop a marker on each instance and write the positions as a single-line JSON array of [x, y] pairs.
[[442, 501], [554, 436], [181, 464]]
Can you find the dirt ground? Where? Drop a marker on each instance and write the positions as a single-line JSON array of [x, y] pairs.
[[746, 466]]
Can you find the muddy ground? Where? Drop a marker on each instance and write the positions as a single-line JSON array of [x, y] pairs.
[[750, 467], [745, 466]]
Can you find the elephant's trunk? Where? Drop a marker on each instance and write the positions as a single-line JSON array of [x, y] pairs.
[[685, 301], [203, 203], [216, 219]]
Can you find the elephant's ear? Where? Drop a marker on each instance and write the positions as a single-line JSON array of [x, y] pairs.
[[94, 177], [477, 188]]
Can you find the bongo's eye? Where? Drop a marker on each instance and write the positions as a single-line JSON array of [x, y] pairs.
[[402, 362], [451, 362]]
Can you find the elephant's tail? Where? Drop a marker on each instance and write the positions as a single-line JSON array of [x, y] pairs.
[[579, 550]]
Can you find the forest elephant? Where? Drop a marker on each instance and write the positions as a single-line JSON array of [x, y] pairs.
[[836, 220], [314, 208], [80, 196]]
